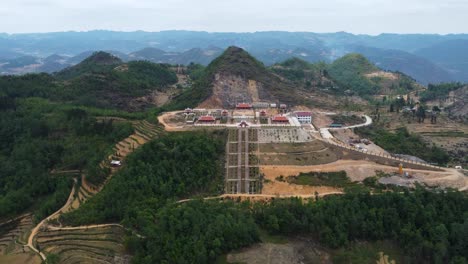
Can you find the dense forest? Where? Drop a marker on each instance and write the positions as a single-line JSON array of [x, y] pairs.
[[430, 227], [99, 81], [49, 124], [37, 137], [176, 166], [439, 91]]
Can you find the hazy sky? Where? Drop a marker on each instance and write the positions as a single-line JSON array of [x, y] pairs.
[[355, 16]]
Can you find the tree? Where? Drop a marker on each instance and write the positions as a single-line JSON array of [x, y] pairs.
[[421, 114]]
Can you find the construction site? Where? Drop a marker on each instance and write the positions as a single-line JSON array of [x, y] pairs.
[[260, 155]]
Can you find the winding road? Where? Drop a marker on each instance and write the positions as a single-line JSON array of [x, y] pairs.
[[37, 228], [325, 131]]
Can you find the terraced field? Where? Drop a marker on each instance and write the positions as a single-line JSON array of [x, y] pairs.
[[89, 245], [13, 234], [144, 132], [95, 244]]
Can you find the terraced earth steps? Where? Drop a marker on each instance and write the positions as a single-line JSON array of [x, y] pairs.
[[95, 245], [149, 133], [16, 230], [88, 249], [139, 134]]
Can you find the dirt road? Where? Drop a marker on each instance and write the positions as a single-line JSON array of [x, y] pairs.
[[262, 196], [170, 127], [52, 216]]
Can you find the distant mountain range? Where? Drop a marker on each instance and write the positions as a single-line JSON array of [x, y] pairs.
[[427, 58]]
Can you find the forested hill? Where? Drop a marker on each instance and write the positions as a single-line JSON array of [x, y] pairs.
[[102, 80], [97, 62], [352, 74]]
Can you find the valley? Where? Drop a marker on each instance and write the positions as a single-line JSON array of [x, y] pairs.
[[232, 154]]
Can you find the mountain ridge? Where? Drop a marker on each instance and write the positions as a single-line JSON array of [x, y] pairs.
[[269, 47]]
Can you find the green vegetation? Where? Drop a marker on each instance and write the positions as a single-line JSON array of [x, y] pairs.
[[438, 91], [402, 142], [347, 120], [196, 232], [349, 71], [335, 179], [142, 196], [38, 136], [413, 219], [200, 231], [109, 84], [176, 166], [293, 69], [368, 252], [98, 62], [237, 62]]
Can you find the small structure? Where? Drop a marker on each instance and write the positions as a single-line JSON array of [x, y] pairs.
[[243, 106], [206, 119], [304, 117], [283, 106], [224, 113], [116, 163], [280, 120], [243, 124], [263, 113], [188, 110], [336, 125], [273, 105], [261, 105]]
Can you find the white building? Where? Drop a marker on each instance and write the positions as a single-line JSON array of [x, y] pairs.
[[304, 117]]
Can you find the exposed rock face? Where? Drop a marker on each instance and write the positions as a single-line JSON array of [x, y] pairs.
[[228, 90], [237, 77], [459, 108]]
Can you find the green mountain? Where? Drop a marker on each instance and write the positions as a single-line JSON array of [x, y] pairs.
[[102, 80], [235, 76], [98, 62], [353, 73]]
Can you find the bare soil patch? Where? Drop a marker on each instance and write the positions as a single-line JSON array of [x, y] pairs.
[[296, 251], [21, 258], [358, 170]]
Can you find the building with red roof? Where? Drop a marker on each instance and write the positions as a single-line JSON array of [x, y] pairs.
[[304, 117], [206, 119], [280, 119]]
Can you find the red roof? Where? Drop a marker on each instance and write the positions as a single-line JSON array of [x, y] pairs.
[[280, 119], [206, 119], [303, 113], [244, 105]]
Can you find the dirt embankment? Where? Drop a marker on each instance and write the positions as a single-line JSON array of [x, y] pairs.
[[358, 170]]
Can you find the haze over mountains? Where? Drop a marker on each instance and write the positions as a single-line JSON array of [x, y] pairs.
[[426, 58]]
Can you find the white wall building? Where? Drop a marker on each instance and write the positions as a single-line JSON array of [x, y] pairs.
[[304, 117]]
